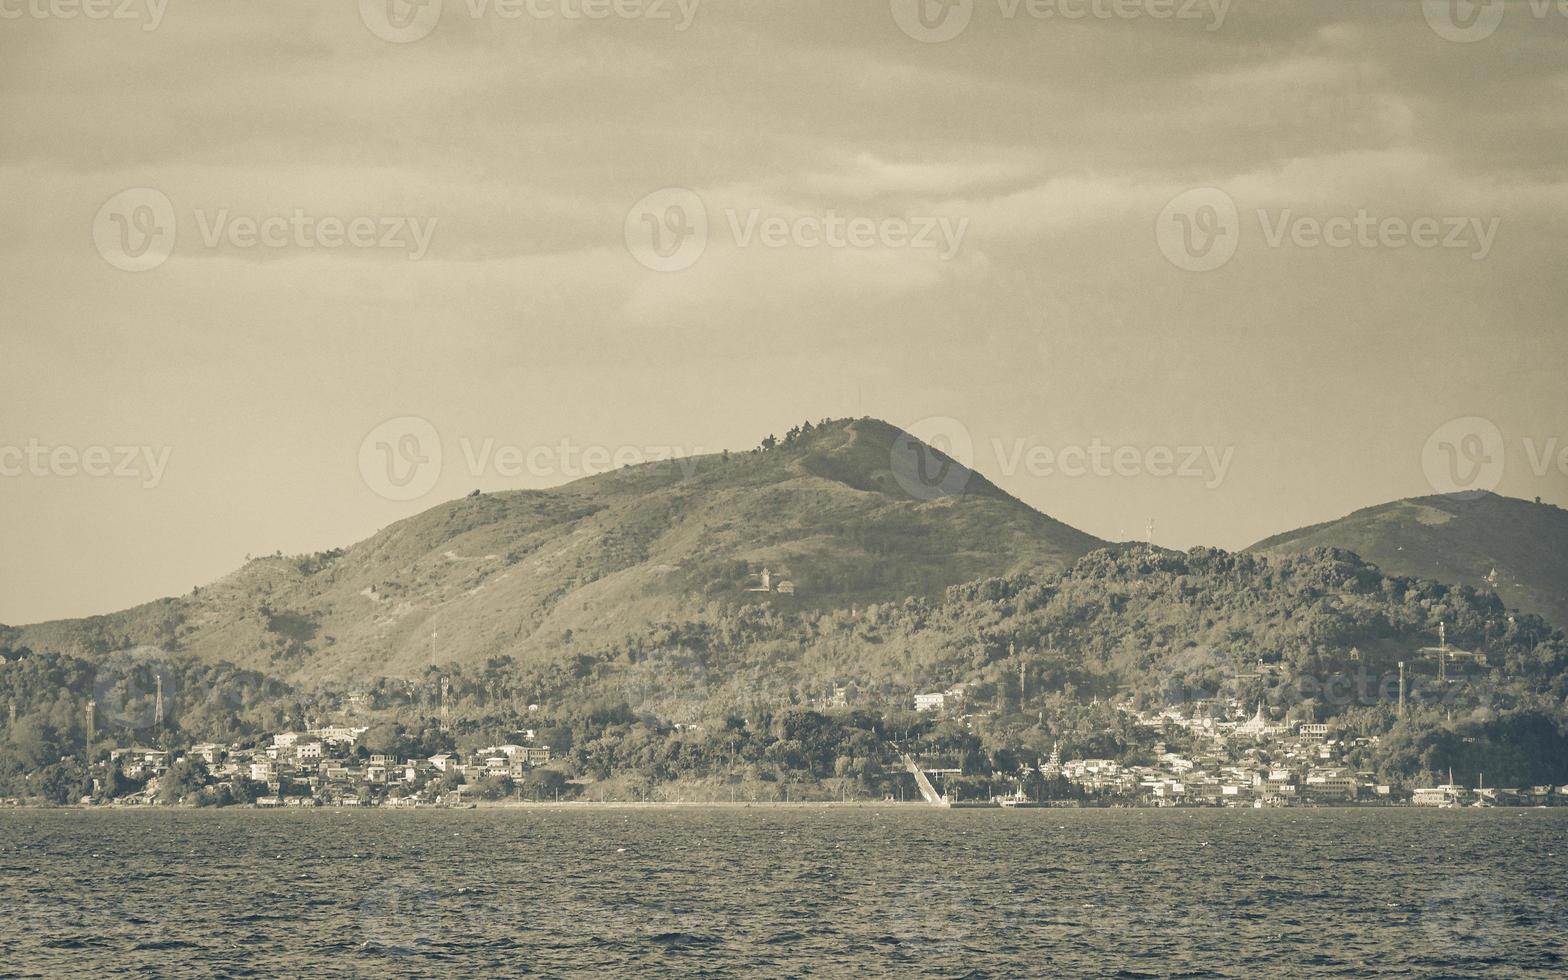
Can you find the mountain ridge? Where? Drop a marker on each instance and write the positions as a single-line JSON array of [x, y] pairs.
[[1512, 546], [848, 511]]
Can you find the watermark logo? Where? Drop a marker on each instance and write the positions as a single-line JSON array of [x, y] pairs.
[[135, 230], [1464, 914], [1200, 923], [400, 459], [1465, 456], [932, 21], [1463, 21], [400, 21], [926, 915], [1198, 230], [933, 458], [667, 231], [401, 914], [665, 682], [131, 688]]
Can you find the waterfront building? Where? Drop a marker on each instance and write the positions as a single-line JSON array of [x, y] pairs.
[[1330, 784], [1449, 794]]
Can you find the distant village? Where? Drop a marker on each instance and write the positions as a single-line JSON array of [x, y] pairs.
[[1241, 761], [1233, 760], [324, 767]]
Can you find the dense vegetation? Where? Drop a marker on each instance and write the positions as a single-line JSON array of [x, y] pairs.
[[748, 695], [1511, 546]]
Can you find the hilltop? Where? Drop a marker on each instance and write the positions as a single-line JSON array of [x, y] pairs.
[[846, 512], [1513, 547]]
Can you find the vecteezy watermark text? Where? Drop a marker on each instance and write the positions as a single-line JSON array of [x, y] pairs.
[[935, 456], [149, 12], [669, 230], [1207, 463], [136, 230], [302, 230], [566, 458], [403, 458], [404, 21], [143, 463], [1358, 686], [1365, 230], [1200, 229], [935, 21]]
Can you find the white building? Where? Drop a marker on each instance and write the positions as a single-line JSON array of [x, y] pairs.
[[207, 752], [942, 701], [338, 733]]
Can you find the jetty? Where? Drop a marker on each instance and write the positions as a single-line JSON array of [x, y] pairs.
[[927, 791]]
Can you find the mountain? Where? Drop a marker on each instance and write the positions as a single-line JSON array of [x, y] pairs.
[[848, 512], [1513, 547]]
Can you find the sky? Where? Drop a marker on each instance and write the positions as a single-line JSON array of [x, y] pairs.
[[278, 275]]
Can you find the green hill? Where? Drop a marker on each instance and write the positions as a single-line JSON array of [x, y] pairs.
[[1512, 547]]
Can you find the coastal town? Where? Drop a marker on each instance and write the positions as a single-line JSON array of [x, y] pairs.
[[1225, 758], [1211, 753], [324, 766]]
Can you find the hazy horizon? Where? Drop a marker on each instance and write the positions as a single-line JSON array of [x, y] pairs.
[[1120, 226]]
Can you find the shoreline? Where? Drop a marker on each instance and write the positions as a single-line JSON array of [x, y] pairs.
[[726, 805]]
